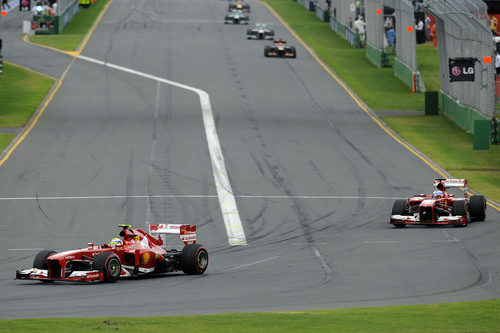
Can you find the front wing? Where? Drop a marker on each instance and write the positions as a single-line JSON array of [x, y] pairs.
[[280, 55], [442, 220], [42, 275]]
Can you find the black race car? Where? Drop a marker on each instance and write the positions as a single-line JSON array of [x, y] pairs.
[[280, 49]]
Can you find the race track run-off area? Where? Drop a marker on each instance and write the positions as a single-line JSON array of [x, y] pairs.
[[170, 116]]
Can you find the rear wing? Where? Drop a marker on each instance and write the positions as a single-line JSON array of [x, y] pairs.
[[185, 231], [451, 182]]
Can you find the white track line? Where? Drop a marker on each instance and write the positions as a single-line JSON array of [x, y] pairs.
[[230, 215], [192, 196]]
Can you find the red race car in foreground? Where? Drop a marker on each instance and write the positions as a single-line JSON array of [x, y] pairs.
[[134, 254], [440, 208]]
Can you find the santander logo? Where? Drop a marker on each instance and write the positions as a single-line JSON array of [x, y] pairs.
[[456, 71]]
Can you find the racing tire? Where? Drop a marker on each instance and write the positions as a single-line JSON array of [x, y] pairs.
[[108, 263], [41, 259], [477, 208], [267, 49], [294, 52], [460, 209], [194, 259], [400, 207]]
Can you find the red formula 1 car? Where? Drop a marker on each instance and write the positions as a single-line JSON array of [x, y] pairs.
[[135, 253], [440, 208]]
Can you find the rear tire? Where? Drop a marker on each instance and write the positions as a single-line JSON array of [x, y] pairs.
[[294, 52], [41, 259], [108, 263], [460, 209], [194, 259], [478, 208]]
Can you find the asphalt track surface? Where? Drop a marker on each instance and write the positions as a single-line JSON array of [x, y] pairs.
[[313, 176]]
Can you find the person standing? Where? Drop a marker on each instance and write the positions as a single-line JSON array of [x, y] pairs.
[[5, 3], [433, 34], [420, 32]]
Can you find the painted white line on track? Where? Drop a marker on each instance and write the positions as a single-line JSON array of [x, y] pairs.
[[408, 242], [230, 215], [191, 196], [250, 264]]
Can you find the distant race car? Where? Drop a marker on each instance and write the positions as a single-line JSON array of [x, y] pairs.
[[134, 254], [240, 6], [260, 31], [280, 49], [439, 208], [236, 16]]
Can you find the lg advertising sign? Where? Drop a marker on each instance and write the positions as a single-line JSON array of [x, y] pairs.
[[462, 69]]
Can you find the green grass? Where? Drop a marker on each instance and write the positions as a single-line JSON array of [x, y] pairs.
[[482, 316], [428, 66], [5, 139], [21, 93], [75, 31], [445, 143], [350, 64]]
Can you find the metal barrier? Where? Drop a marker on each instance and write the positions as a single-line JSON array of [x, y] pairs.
[[322, 11], [463, 31]]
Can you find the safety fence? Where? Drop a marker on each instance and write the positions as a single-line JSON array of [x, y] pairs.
[[322, 11], [463, 34]]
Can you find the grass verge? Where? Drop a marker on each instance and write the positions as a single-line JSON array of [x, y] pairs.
[[21, 94], [75, 31], [481, 316], [454, 153], [5, 139]]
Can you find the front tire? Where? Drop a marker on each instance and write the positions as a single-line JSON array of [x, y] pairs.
[[478, 208], [108, 263], [41, 259], [267, 49], [194, 259], [400, 207], [460, 209]]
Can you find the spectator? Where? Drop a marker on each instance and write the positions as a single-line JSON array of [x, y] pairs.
[[420, 32], [54, 8], [359, 27], [433, 34], [497, 63], [427, 27], [5, 3]]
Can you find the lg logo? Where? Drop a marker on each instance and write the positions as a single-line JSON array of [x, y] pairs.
[[457, 70]]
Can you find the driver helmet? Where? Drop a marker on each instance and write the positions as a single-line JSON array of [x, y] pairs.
[[116, 241], [437, 194]]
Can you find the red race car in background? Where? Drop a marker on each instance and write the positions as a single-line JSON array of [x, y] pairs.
[[134, 254], [440, 208]]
